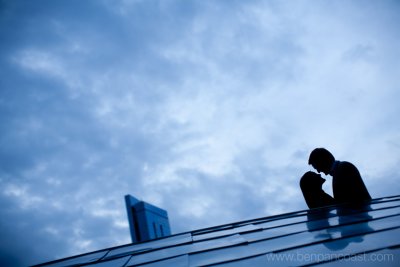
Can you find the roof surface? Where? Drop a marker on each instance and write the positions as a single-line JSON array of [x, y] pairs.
[[331, 236]]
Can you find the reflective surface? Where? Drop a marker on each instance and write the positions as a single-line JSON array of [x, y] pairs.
[[168, 241], [118, 262], [213, 234], [92, 257], [180, 261], [190, 248], [326, 236]]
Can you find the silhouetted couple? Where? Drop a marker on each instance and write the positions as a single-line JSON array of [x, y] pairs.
[[347, 184]]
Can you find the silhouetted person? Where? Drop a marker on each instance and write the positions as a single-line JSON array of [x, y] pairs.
[[311, 186], [347, 184]]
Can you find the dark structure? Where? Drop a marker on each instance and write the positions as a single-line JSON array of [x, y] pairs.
[[330, 236], [146, 221]]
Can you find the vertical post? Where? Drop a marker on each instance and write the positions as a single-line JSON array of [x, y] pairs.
[[130, 202]]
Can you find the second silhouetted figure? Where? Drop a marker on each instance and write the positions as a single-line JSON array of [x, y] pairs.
[[311, 187], [347, 184]]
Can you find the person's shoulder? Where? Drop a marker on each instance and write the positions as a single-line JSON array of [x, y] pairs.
[[346, 166]]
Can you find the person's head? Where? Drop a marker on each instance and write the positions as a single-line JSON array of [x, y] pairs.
[[322, 160], [311, 181]]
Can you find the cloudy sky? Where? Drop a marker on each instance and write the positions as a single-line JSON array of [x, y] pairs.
[[208, 109]]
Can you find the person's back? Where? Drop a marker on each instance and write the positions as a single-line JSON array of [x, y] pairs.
[[347, 184]]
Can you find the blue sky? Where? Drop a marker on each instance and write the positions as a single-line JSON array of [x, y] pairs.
[[208, 109]]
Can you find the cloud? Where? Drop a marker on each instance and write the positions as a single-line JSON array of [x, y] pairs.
[[207, 109]]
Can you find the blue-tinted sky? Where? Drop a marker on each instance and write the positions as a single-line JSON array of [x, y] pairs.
[[208, 109]]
